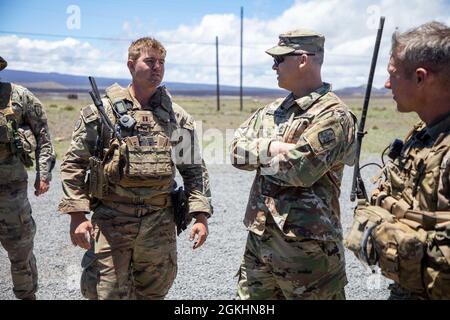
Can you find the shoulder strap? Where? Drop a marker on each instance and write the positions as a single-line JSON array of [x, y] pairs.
[[6, 101]]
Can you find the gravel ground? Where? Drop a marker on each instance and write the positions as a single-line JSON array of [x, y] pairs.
[[206, 273]]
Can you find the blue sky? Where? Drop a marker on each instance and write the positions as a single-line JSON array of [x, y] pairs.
[[188, 30], [106, 16]]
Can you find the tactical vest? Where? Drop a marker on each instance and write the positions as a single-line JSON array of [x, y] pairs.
[[413, 179], [140, 166], [414, 248], [7, 118], [14, 140]]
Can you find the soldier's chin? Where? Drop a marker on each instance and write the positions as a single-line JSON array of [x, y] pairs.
[[155, 81]]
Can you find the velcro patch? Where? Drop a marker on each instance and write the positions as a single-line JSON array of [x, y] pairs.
[[77, 125], [89, 114], [326, 136]]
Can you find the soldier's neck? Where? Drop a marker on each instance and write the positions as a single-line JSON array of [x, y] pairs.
[[142, 94], [434, 108], [306, 89]]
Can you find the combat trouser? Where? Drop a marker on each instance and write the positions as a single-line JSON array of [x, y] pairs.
[[277, 267], [17, 230], [135, 257]]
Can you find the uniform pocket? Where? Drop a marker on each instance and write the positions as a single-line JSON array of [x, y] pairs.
[[400, 250], [358, 239], [89, 276]]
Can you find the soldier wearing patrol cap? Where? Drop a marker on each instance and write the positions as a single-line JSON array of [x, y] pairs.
[[23, 131], [298, 146]]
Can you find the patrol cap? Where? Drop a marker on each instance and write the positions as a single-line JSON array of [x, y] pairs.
[[300, 39], [3, 63]]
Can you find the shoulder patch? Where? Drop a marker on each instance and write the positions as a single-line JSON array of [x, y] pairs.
[[89, 114], [326, 136]]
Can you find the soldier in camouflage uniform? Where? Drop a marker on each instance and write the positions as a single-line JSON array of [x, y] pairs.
[[417, 185], [298, 146], [23, 131], [133, 253]]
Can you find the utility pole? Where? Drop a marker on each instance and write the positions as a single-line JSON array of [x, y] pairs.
[[242, 33], [217, 73]]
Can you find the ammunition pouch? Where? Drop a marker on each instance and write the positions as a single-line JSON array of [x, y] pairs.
[[132, 166], [437, 267], [98, 186], [358, 240], [406, 248], [400, 248]]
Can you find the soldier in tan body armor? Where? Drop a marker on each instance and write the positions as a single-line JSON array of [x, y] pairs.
[[410, 209], [23, 131], [133, 252]]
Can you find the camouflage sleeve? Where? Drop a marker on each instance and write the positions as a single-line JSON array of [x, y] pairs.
[[36, 118], [443, 201], [194, 173], [327, 142], [76, 161], [248, 150]]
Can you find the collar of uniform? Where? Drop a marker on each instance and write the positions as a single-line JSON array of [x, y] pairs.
[[159, 98], [307, 101], [287, 102], [440, 125], [132, 99]]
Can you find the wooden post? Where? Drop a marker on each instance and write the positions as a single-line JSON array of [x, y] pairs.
[[242, 33], [217, 73]]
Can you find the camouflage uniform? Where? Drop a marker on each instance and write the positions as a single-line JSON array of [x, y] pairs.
[[294, 248], [17, 227], [418, 181], [134, 242]]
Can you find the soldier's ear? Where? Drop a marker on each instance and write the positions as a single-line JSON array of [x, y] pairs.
[[302, 61], [130, 65], [421, 75]]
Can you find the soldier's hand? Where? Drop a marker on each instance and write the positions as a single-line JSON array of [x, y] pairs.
[[80, 230], [199, 228], [41, 187], [277, 147]]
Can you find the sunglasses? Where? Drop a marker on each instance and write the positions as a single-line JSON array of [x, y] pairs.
[[280, 59]]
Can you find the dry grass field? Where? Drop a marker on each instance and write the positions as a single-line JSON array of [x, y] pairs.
[[383, 122]]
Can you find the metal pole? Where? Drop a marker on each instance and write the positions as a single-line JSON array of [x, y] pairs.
[[217, 73], [242, 33]]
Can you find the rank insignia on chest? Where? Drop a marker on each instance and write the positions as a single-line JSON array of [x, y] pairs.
[[144, 118], [326, 136]]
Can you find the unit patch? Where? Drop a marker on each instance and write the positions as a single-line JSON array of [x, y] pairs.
[[326, 136]]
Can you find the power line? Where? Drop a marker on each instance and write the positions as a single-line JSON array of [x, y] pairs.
[[251, 45]]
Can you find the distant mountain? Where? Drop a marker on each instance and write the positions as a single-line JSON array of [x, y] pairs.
[[57, 82], [361, 91]]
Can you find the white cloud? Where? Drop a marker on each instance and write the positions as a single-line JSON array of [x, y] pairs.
[[348, 25], [69, 56]]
